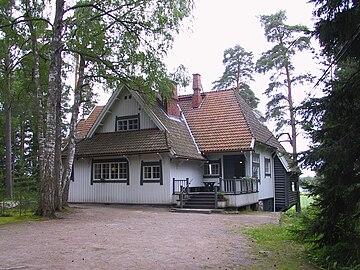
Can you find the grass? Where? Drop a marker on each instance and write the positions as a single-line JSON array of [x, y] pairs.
[[274, 247], [16, 218]]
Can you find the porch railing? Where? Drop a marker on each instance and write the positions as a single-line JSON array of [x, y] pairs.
[[243, 185], [178, 184]]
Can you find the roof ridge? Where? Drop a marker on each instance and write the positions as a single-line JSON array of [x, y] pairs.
[[238, 99]]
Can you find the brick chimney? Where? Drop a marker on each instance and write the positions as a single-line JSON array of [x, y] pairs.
[[172, 107], [197, 87]]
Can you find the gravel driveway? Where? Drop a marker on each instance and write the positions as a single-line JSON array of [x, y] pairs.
[[129, 237]]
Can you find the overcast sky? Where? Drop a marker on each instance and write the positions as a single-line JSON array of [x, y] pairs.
[[218, 25]]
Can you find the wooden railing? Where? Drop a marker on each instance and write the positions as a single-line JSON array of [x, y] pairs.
[[178, 183], [243, 185]]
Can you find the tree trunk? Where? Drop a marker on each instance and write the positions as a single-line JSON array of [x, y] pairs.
[[8, 167], [39, 93], [57, 178], [293, 135], [68, 164], [8, 150], [46, 206]]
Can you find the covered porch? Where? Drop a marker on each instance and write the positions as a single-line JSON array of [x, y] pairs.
[[223, 193]]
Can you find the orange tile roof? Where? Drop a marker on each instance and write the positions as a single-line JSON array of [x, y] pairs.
[[218, 124], [84, 125], [224, 122]]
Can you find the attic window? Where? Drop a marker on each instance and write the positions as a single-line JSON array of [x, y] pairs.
[[125, 123]]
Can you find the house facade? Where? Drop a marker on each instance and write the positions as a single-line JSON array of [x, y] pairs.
[[134, 152]]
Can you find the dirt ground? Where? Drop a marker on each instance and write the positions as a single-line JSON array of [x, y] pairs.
[[129, 237]]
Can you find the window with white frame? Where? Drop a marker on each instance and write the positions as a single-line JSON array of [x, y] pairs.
[[256, 166], [267, 166], [110, 171], [151, 172], [212, 168], [127, 123]]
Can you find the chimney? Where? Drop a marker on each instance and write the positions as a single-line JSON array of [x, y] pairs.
[[197, 87], [172, 107]]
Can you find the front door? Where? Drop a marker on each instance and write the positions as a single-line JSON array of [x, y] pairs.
[[234, 166]]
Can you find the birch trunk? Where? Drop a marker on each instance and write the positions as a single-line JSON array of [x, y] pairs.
[[46, 206], [68, 164]]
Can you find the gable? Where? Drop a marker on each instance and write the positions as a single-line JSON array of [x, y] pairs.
[[124, 105]]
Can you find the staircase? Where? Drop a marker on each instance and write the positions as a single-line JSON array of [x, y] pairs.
[[201, 200]]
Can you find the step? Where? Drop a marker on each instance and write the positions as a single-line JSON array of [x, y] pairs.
[[194, 210]]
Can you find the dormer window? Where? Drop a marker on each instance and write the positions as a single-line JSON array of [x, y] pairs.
[[125, 123]]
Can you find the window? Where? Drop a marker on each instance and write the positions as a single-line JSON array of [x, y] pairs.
[[151, 172], [267, 167], [127, 123], [110, 171], [256, 166], [212, 168]]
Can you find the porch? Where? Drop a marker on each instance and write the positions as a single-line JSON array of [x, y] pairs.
[[220, 193]]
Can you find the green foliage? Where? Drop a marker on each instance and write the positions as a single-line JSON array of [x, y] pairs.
[[239, 69], [332, 122], [288, 40], [335, 156]]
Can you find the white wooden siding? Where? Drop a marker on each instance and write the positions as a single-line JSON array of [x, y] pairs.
[[182, 169], [266, 185], [125, 107], [81, 189]]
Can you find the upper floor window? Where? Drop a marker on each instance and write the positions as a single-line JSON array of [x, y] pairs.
[[212, 168], [267, 166], [124, 123], [110, 171]]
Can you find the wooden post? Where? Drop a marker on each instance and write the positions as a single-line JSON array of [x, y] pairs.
[[187, 186], [216, 197], [234, 184], [181, 197], [173, 186]]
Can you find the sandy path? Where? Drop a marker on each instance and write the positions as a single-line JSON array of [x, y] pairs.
[[128, 237]]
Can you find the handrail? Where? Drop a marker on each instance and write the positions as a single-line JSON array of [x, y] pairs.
[[243, 185], [183, 190]]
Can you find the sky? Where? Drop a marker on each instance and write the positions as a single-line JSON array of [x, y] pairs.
[[217, 25]]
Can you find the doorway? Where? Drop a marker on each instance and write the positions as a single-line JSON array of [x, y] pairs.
[[234, 166]]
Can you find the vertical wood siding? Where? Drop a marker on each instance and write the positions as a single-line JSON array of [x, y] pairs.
[[281, 185], [182, 169], [149, 193], [125, 107]]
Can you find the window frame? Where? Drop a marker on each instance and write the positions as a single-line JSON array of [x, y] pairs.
[[127, 119], [256, 164], [110, 162], [210, 163], [267, 167], [152, 165]]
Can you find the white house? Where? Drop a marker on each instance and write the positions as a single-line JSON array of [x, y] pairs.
[[133, 152]]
